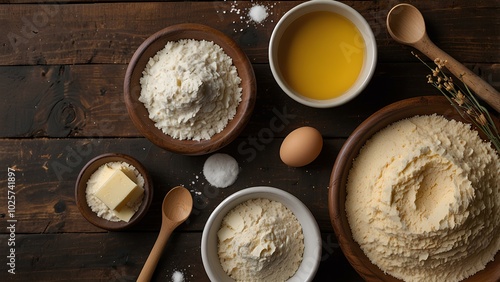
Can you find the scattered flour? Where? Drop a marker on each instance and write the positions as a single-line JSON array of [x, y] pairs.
[[254, 15], [221, 170], [191, 89], [97, 205]]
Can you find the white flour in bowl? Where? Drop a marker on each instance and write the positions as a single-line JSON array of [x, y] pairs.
[[191, 89], [260, 240]]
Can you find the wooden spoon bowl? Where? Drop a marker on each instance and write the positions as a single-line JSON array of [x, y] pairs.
[[406, 25], [139, 114]]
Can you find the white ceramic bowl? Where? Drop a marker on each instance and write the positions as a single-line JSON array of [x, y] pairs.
[[357, 19], [312, 237]]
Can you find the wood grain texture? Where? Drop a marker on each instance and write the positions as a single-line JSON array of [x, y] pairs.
[[62, 67], [51, 34], [47, 170], [119, 256], [87, 100]]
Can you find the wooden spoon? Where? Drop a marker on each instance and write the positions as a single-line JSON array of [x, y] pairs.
[[406, 25], [177, 206]]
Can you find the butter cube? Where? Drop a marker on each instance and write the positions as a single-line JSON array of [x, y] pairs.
[[104, 174], [129, 173], [124, 213], [118, 190]]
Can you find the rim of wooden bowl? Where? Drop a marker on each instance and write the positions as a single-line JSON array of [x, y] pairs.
[[338, 179], [139, 114], [81, 186]]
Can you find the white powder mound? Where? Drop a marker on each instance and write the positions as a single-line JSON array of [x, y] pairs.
[[191, 89], [94, 182], [258, 13], [178, 276], [260, 240], [221, 170], [423, 200], [254, 15]]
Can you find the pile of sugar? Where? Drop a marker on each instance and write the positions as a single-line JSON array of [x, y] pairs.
[[191, 89], [177, 276], [221, 170], [423, 200], [258, 13], [93, 184], [260, 240], [255, 15]]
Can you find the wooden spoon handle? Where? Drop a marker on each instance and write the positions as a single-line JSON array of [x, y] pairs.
[[149, 267], [484, 90]]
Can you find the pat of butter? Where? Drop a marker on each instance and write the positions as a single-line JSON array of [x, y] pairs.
[[118, 190], [129, 173], [124, 213], [104, 174]]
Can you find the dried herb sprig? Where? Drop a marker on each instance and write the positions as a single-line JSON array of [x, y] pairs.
[[464, 101]]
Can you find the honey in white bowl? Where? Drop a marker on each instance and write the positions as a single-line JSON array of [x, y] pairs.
[[321, 55]]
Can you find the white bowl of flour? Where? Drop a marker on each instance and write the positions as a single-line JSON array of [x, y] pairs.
[[247, 214]]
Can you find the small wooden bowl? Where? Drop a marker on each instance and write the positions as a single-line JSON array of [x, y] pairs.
[[81, 186], [337, 194], [139, 114]]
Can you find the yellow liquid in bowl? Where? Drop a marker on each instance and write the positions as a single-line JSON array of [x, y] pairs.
[[321, 54]]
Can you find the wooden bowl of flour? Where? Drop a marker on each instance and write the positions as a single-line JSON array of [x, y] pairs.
[[140, 114], [426, 105]]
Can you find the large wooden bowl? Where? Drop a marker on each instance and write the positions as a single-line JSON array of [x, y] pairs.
[[139, 114], [337, 194]]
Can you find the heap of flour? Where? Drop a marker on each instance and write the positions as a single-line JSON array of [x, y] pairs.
[[423, 200], [260, 240], [191, 89]]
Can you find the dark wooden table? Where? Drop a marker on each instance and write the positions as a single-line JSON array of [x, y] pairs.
[[61, 80]]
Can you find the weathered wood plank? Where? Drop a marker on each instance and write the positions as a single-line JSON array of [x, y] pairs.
[[54, 34], [46, 171], [60, 101], [119, 256], [61, 73], [103, 257], [86, 100]]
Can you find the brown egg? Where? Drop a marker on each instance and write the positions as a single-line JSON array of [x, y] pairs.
[[301, 146]]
